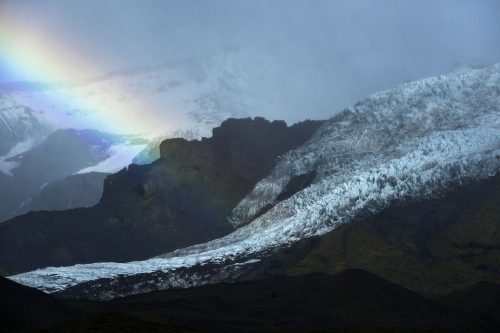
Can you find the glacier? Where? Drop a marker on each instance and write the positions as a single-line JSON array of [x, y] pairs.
[[121, 155], [418, 140], [19, 148]]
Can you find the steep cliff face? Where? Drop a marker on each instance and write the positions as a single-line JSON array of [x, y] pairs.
[[182, 199]]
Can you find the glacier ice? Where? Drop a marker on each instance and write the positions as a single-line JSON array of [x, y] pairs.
[[121, 155], [415, 141]]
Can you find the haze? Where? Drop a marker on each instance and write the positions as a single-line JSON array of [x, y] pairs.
[[363, 46]]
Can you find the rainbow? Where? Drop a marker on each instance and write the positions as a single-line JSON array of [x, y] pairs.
[[28, 53]]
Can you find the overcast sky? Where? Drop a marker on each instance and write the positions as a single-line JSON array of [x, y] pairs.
[[374, 44]]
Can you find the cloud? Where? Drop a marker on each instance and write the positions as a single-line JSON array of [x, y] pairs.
[[365, 46]]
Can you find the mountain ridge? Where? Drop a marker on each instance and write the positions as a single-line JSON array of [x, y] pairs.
[[146, 209]]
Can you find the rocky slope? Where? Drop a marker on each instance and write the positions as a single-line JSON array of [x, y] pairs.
[[75, 191], [19, 123], [419, 140], [433, 246], [82, 190], [66, 152], [182, 199], [60, 154]]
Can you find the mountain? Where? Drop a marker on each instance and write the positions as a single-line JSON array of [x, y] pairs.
[[80, 190], [191, 95], [66, 152], [152, 151], [482, 300], [434, 246], [20, 127], [182, 199], [417, 141], [60, 154], [183, 99], [75, 191]]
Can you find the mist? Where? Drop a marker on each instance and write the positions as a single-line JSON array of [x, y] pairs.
[[361, 46]]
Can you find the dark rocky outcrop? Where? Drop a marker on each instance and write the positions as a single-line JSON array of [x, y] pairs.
[[181, 199]]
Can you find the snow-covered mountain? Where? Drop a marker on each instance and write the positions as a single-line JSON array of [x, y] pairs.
[[416, 141], [31, 165], [191, 95], [185, 99], [20, 126], [182, 99]]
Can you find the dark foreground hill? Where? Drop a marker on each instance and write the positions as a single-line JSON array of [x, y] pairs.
[[351, 301], [182, 199], [481, 300], [27, 309]]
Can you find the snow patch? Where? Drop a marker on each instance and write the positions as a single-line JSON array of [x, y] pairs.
[[121, 156], [5, 166]]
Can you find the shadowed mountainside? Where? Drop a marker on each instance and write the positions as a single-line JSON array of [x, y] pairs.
[[63, 153], [181, 199], [60, 154], [434, 246], [80, 190]]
